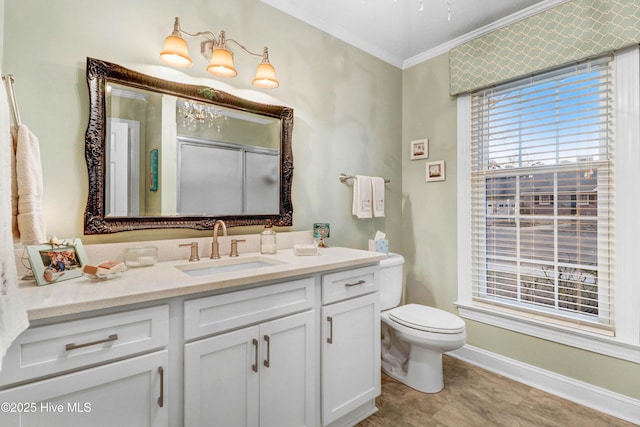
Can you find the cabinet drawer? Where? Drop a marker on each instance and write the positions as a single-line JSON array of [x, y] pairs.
[[350, 283], [59, 347], [125, 393], [218, 313]]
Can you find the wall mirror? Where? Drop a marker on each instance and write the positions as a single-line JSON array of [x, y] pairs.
[[162, 154]]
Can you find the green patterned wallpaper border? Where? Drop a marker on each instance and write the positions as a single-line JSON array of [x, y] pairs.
[[569, 32]]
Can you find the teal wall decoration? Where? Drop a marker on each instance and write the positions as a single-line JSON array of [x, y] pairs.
[[153, 166]]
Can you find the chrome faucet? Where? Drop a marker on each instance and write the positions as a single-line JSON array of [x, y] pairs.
[[215, 253]]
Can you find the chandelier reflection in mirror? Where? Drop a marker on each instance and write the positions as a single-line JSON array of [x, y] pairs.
[[216, 50], [194, 113]]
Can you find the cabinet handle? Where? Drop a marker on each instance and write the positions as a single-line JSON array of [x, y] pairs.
[[72, 346], [161, 398], [255, 365], [359, 282], [330, 337], [268, 340]]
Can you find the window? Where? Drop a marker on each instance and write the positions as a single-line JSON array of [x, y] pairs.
[[543, 199], [584, 199], [549, 264], [540, 144]]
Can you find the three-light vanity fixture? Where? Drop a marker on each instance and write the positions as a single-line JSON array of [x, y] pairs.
[[215, 49]]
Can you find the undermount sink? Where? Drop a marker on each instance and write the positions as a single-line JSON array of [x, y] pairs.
[[226, 265]]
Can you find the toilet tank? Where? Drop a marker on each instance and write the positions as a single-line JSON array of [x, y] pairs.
[[391, 281]]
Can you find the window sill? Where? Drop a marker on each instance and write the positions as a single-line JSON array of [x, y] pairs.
[[596, 343]]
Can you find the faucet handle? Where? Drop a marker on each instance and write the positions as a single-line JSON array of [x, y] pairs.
[[234, 246], [194, 251]]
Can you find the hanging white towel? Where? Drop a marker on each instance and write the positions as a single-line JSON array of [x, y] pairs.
[[377, 185], [362, 197], [28, 182], [13, 315]]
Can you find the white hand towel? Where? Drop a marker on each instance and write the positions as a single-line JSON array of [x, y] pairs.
[[377, 185], [28, 170], [13, 315], [362, 197]]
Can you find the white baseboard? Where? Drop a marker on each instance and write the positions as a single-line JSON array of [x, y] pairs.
[[594, 397]]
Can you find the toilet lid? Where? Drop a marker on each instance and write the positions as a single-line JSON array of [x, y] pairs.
[[427, 319]]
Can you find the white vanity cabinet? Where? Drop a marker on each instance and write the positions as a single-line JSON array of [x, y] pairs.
[[350, 345], [100, 371], [293, 344], [258, 375]]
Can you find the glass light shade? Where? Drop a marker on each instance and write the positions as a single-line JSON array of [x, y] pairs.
[[266, 76], [176, 52], [221, 63]]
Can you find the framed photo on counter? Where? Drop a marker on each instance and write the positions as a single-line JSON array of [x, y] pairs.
[[53, 262]]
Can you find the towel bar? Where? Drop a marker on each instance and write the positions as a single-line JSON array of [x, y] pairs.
[[344, 177]]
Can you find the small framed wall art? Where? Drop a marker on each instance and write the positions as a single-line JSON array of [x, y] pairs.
[[53, 262], [420, 149], [435, 171]]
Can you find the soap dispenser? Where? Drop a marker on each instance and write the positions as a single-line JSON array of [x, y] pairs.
[[268, 240]]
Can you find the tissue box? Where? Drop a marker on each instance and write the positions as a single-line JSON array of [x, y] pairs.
[[379, 246]]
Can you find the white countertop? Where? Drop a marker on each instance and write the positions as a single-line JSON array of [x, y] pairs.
[[164, 280]]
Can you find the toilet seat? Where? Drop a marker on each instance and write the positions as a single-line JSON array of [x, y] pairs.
[[428, 319]]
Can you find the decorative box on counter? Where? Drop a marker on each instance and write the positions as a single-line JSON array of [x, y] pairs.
[[140, 256], [305, 250]]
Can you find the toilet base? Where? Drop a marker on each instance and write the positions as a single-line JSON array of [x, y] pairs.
[[414, 357], [423, 370]]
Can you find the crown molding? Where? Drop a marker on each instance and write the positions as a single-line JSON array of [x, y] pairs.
[[397, 61]]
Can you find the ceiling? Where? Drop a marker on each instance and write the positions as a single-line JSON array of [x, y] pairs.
[[397, 32]]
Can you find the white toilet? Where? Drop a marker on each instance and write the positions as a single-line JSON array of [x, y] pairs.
[[414, 336]]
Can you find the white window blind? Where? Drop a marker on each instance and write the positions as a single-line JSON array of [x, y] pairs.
[[542, 196]]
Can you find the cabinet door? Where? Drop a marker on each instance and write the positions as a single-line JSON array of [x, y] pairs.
[[287, 379], [221, 380], [125, 393], [350, 355]]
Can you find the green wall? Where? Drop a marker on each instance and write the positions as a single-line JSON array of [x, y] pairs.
[[429, 221], [430, 245], [347, 104]]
